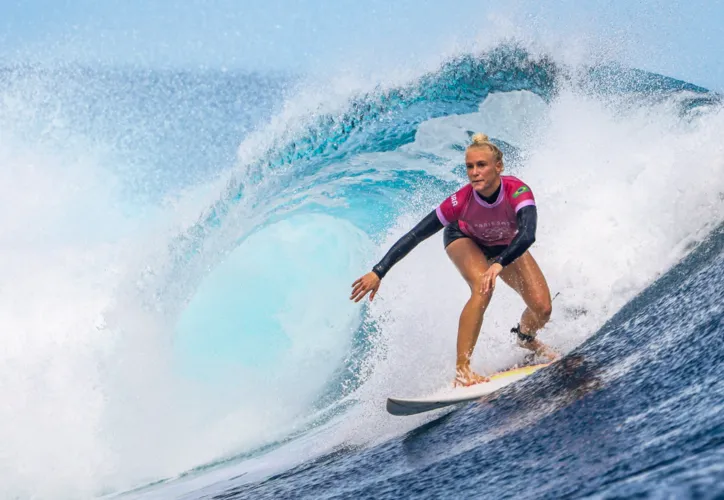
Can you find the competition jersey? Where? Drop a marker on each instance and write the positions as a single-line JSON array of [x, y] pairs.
[[490, 224]]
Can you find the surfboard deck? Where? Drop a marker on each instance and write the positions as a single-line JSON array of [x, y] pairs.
[[453, 396]]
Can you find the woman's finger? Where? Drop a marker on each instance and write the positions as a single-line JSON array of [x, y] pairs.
[[359, 291], [360, 295]]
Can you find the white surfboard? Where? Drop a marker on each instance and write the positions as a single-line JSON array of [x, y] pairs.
[[412, 406]]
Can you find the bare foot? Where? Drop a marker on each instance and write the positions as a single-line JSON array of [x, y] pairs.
[[540, 349], [465, 377]]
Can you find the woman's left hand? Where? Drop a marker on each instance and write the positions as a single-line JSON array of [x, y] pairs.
[[489, 277]]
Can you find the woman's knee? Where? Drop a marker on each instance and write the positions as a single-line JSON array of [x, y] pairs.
[[477, 293], [542, 309]]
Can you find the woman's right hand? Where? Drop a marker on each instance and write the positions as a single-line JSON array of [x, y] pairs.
[[370, 282]]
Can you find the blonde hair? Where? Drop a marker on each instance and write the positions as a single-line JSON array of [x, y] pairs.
[[482, 141]]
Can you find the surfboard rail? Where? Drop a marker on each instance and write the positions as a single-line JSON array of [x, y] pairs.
[[412, 406]]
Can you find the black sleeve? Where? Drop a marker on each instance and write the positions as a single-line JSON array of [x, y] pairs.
[[423, 230], [527, 219]]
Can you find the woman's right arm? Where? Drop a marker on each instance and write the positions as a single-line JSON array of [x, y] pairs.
[[370, 282], [422, 231]]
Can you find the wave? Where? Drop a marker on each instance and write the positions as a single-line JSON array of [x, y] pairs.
[[388, 156], [633, 411], [226, 330]]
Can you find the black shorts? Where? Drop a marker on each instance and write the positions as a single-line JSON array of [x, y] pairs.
[[452, 232]]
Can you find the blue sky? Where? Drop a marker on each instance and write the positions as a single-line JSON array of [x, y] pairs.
[[676, 38]]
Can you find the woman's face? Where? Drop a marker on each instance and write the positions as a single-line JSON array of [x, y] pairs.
[[483, 170]]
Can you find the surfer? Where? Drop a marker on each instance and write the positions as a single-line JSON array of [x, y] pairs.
[[489, 226]]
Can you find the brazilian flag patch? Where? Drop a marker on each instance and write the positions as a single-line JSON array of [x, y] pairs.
[[521, 190]]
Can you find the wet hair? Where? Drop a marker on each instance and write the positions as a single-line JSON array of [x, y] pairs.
[[482, 141]]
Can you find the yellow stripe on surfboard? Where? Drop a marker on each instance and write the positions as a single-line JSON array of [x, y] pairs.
[[523, 370], [453, 396]]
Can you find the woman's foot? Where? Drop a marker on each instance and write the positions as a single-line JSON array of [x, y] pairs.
[[465, 377], [540, 349]]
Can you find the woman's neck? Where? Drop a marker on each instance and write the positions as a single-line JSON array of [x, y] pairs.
[[492, 196]]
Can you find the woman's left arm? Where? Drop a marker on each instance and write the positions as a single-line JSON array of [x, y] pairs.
[[527, 220]]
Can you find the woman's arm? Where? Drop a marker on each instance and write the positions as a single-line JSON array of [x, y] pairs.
[[423, 230], [370, 282], [527, 220]]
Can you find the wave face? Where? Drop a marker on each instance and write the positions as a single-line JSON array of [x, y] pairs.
[[634, 411], [217, 343]]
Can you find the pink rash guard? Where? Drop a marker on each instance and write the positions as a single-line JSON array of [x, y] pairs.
[[504, 229], [489, 224]]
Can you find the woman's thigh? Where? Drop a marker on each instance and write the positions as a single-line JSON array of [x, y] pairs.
[[470, 261], [525, 277]]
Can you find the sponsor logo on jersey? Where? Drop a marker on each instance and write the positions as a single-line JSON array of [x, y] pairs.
[[521, 190], [454, 200]]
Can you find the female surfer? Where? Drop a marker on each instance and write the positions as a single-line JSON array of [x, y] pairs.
[[489, 226]]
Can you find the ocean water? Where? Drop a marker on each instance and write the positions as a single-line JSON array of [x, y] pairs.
[[178, 249]]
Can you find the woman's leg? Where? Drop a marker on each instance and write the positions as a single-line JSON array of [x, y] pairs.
[[525, 277], [471, 263]]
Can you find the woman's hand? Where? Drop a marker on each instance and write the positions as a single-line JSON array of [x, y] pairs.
[[489, 277], [370, 282]]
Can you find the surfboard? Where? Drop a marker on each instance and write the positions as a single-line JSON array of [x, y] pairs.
[[441, 399]]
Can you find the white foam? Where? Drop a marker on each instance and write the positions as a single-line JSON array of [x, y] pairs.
[[57, 275]]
